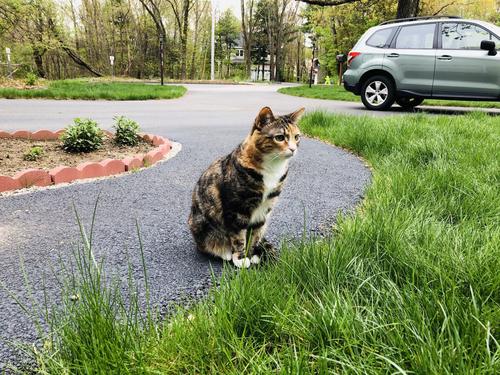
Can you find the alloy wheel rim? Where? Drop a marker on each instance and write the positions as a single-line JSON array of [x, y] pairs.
[[376, 93]]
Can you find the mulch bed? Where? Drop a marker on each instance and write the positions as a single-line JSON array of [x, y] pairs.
[[12, 152]]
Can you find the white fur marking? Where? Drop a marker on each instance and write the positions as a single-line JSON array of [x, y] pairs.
[[227, 255], [272, 172], [255, 259], [241, 263]]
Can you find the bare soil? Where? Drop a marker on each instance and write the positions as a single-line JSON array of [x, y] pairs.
[[12, 152]]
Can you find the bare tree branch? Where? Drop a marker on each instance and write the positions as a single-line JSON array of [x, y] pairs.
[[443, 8]]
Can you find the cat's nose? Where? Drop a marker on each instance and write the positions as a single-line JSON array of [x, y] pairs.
[[292, 148]]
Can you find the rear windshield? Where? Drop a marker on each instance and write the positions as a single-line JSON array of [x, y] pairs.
[[380, 38]]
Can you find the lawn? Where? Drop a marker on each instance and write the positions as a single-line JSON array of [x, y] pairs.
[[335, 92], [407, 283], [92, 90]]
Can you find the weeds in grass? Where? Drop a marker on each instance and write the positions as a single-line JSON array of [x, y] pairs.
[[98, 325]]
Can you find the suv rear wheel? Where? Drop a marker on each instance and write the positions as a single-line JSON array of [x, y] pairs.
[[408, 102], [378, 93]]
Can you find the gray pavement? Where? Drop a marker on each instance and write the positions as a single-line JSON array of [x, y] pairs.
[[39, 227]]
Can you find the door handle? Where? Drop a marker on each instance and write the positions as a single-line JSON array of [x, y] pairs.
[[393, 55], [445, 57]]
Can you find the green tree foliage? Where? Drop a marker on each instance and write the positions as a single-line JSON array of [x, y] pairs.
[[337, 29], [227, 33]]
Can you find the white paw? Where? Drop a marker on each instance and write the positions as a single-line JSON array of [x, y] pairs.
[[255, 259], [227, 255], [241, 263]]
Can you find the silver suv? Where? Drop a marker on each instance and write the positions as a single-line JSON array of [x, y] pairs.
[[408, 60]]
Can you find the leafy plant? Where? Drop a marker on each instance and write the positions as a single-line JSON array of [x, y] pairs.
[[33, 154], [127, 131], [84, 136], [31, 79]]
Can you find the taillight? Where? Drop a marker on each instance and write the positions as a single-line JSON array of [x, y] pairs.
[[351, 56]]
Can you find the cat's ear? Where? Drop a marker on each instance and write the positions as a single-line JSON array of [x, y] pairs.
[[264, 117], [295, 116]]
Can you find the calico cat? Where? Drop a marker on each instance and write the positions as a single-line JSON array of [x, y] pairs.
[[233, 198]]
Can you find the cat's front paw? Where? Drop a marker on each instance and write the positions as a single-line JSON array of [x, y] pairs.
[[241, 262], [255, 259]]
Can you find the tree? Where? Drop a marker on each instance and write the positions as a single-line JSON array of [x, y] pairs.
[[278, 20], [407, 8], [181, 12], [227, 32], [248, 29]]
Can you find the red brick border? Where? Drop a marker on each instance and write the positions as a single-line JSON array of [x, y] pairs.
[[61, 174]]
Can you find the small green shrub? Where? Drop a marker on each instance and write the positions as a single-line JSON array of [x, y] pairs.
[[126, 131], [31, 79], [84, 136], [33, 154]]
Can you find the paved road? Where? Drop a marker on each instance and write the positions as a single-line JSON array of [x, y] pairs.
[[39, 227]]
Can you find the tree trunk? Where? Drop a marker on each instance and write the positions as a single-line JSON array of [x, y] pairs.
[[247, 26], [37, 56], [78, 60], [184, 34], [407, 8]]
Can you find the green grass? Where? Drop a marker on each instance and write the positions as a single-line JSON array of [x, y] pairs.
[[335, 92], [408, 283], [92, 90]]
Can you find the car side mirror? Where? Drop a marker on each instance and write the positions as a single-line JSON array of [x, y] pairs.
[[489, 46]]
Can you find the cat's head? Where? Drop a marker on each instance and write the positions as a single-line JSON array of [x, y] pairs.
[[276, 136]]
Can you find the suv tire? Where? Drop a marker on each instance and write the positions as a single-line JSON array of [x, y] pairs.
[[378, 93], [409, 102]]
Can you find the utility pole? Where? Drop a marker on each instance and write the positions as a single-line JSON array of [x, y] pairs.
[[9, 66], [161, 58], [312, 64], [112, 62], [212, 48]]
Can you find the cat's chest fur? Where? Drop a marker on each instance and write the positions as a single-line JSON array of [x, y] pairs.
[[272, 176]]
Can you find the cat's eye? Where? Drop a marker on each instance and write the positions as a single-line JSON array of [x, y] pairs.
[[279, 138], [297, 137]]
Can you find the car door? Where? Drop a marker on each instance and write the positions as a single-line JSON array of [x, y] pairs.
[[411, 58], [462, 68]]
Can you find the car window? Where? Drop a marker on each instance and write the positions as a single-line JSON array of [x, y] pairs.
[[380, 38], [496, 40], [416, 36], [457, 35]]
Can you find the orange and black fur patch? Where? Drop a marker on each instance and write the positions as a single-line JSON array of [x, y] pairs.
[[233, 198]]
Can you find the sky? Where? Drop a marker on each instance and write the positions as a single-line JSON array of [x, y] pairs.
[[222, 5]]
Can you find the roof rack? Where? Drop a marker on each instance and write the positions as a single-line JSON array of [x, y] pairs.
[[398, 20]]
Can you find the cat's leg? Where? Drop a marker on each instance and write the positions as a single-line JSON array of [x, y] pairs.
[[215, 244], [265, 250], [239, 256], [261, 248], [255, 237]]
